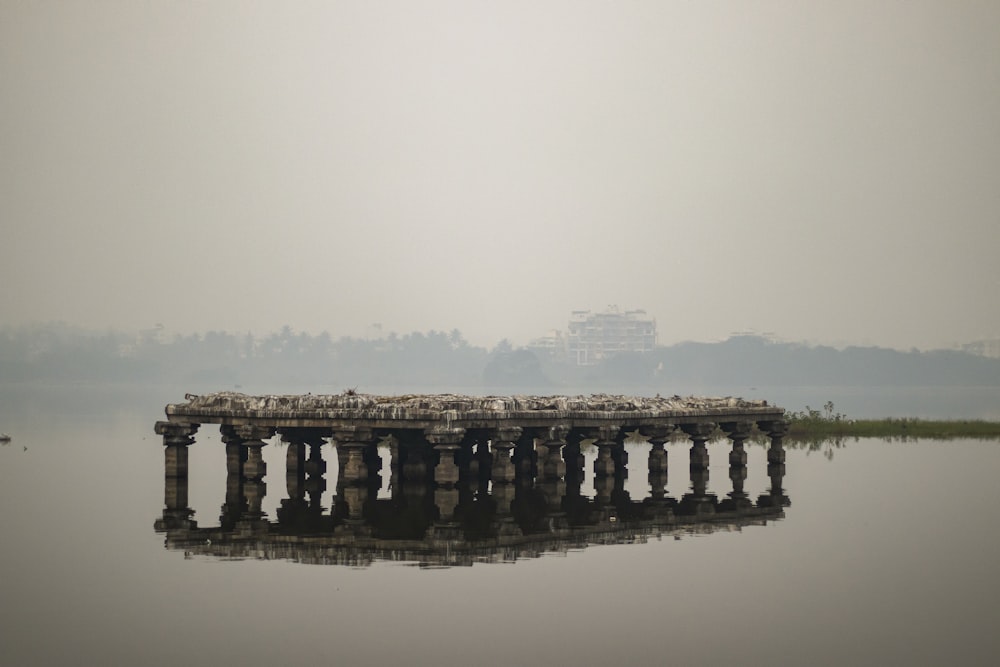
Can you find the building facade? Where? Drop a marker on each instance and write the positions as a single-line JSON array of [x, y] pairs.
[[593, 337]]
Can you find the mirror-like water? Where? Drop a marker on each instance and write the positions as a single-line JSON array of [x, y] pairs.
[[886, 553]]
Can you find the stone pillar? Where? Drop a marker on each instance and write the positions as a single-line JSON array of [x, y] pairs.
[[573, 456], [553, 467], [236, 455], [445, 441], [776, 430], [295, 457], [176, 438], [252, 437], [737, 432], [484, 461], [352, 441], [395, 465], [657, 436], [503, 440], [524, 456], [414, 453], [315, 466], [372, 458], [620, 455], [605, 441], [699, 433], [295, 472]]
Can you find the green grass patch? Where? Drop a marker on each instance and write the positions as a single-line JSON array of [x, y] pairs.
[[811, 425]]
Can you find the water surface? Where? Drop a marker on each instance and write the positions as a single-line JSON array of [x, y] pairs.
[[887, 553]]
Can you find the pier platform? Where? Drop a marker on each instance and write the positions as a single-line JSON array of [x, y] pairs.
[[461, 469]]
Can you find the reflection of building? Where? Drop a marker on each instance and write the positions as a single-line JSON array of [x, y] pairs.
[[593, 337]]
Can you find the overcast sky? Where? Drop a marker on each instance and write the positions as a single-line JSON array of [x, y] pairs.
[[827, 171]]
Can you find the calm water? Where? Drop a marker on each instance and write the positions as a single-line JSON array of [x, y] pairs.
[[887, 553]]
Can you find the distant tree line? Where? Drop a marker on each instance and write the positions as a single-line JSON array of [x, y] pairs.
[[59, 353]]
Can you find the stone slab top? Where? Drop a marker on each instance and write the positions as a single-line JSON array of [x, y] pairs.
[[461, 411]]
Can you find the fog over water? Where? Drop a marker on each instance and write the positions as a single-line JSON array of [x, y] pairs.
[[885, 554], [824, 171]]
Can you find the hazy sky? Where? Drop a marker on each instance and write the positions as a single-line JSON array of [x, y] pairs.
[[828, 171]]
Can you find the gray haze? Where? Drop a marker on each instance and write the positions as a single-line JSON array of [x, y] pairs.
[[828, 171]]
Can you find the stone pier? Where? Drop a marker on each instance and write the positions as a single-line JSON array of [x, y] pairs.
[[512, 463], [433, 432]]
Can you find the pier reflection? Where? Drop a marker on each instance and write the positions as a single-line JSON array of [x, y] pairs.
[[499, 508]]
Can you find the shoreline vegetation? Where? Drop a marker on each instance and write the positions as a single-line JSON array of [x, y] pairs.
[[812, 425], [61, 353]]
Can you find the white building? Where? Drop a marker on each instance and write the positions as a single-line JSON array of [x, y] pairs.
[[593, 337]]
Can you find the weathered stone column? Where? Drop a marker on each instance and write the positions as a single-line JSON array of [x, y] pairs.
[[553, 467], [503, 441], [395, 465], [295, 461], [414, 453], [605, 441], [176, 438], [483, 460], [445, 441], [315, 466], [776, 430], [236, 455], [352, 441], [524, 455], [699, 433], [295, 473], [737, 432], [657, 437], [620, 455], [573, 456], [372, 458], [252, 437]]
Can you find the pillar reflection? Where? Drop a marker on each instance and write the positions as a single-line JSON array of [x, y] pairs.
[[459, 496]]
